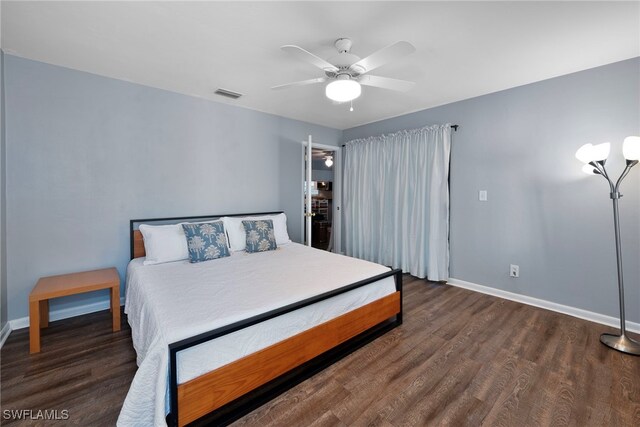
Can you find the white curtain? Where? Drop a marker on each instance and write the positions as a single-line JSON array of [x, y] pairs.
[[396, 200]]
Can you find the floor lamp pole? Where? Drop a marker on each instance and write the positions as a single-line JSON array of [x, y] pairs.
[[620, 342]]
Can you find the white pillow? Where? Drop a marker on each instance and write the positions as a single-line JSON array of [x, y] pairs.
[[164, 243], [237, 236]]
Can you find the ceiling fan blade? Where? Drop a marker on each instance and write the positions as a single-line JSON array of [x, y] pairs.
[[386, 83], [383, 56], [301, 83], [309, 57]]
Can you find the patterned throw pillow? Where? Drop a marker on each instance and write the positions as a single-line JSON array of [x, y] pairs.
[[260, 236], [206, 241]]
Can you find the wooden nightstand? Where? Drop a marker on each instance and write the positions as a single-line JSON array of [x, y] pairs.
[[69, 284]]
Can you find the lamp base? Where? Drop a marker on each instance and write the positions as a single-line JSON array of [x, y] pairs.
[[621, 343]]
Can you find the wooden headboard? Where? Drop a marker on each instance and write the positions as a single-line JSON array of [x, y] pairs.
[[135, 236], [137, 248]]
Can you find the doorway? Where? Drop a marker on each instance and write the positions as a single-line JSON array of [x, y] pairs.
[[325, 198]]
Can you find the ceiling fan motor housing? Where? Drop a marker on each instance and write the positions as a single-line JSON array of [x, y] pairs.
[[343, 45], [344, 60]]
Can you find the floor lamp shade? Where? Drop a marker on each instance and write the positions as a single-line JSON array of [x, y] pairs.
[[631, 148]]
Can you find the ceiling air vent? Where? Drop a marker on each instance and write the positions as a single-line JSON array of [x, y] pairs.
[[228, 93]]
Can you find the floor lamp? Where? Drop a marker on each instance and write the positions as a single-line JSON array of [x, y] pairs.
[[594, 157]]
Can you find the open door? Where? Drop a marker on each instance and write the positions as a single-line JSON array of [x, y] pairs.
[[308, 213], [321, 196]]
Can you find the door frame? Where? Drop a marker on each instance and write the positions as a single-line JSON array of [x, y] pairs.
[[336, 224]]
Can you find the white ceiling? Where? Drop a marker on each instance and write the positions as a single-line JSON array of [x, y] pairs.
[[464, 49], [317, 154]]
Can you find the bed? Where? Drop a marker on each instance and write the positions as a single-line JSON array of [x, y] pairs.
[[214, 340]]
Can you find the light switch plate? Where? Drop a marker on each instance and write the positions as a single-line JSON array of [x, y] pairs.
[[482, 195]]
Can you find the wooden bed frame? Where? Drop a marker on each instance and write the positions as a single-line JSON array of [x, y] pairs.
[[233, 390]]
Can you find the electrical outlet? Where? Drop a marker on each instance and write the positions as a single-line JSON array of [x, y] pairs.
[[482, 195], [514, 270]]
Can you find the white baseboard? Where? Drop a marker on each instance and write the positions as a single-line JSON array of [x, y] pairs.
[[4, 333], [65, 313], [564, 309]]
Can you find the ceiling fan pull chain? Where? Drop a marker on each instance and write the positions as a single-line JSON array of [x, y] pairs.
[[351, 109]]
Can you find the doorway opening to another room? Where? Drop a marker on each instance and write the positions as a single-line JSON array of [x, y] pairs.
[[324, 205]]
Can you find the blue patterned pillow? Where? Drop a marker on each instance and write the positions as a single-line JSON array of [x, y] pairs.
[[206, 241], [260, 235]]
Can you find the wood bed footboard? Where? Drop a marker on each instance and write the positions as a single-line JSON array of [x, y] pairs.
[[225, 394]]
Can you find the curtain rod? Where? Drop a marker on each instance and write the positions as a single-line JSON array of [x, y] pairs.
[[454, 127]]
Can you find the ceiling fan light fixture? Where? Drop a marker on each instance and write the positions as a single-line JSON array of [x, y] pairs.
[[343, 90], [329, 161]]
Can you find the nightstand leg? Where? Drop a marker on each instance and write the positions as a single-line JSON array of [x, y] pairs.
[[115, 307], [34, 327], [44, 313]]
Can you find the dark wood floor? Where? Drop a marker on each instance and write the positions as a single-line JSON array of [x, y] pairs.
[[460, 358]]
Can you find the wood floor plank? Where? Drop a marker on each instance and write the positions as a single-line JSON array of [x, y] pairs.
[[460, 359], [494, 377], [328, 419], [542, 408], [308, 405], [391, 378], [448, 391], [513, 403]]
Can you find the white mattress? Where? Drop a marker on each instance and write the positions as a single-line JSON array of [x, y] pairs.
[[169, 302]]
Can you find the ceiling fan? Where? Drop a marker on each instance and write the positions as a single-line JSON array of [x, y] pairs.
[[345, 72]]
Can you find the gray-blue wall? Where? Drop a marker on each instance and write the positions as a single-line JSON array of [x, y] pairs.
[[87, 153], [542, 212]]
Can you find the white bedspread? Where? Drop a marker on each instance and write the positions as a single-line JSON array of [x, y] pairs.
[[169, 302]]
